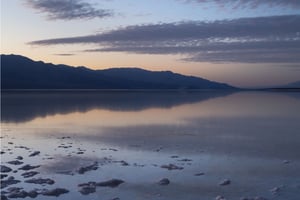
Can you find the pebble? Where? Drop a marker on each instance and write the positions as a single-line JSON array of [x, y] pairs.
[[255, 198], [35, 153], [171, 167], [220, 198], [124, 163], [40, 181], [19, 158], [286, 162], [164, 181], [2, 176], [15, 162], [185, 160], [18, 194], [65, 137], [55, 192], [275, 190], [259, 198], [32, 194], [28, 167], [4, 169], [225, 182], [22, 147], [87, 189], [3, 197], [10, 181], [93, 166], [29, 174], [110, 183]]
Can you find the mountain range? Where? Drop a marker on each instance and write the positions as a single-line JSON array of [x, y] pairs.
[[19, 72], [292, 85]]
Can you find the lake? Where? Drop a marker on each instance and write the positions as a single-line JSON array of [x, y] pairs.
[[207, 144]]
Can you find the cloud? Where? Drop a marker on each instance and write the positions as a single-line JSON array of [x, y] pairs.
[[67, 9], [64, 54], [294, 4], [251, 40]]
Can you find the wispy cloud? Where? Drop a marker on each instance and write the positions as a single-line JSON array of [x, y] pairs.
[[251, 40], [68, 9], [249, 3], [64, 54]]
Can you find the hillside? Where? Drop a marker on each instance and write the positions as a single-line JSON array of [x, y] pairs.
[[293, 85], [18, 72]]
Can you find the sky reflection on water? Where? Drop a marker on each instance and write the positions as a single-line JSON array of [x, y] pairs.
[[243, 136]]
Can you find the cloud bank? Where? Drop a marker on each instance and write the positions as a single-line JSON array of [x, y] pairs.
[[247, 40], [295, 4], [67, 9]]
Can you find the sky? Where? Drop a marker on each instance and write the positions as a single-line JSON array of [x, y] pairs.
[[246, 43]]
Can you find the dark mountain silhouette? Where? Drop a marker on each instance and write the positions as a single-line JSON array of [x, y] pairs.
[[18, 72], [292, 85]]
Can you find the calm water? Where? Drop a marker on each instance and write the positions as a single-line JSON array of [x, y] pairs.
[[244, 137]]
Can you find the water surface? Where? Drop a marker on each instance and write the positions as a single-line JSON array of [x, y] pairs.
[[245, 137]]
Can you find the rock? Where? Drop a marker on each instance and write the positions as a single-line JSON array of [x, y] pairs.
[[225, 182], [124, 163], [32, 194], [259, 198], [171, 167], [82, 170], [15, 162], [164, 181], [19, 158], [199, 174], [2, 176], [22, 147], [220, 198], [3, 197], [29, 167], [55, 192], [138, 165], [13, 189], [10, 181], [110, 183], [29, 174], [286, 162], [87, 189], [40, 181], [185, 160], [35, 153], [65, 137], [91, 183], [4, 169], [275, 190], [18, 194]]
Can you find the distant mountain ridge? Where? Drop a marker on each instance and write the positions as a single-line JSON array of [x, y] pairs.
[[292, 85], [19, 72]]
